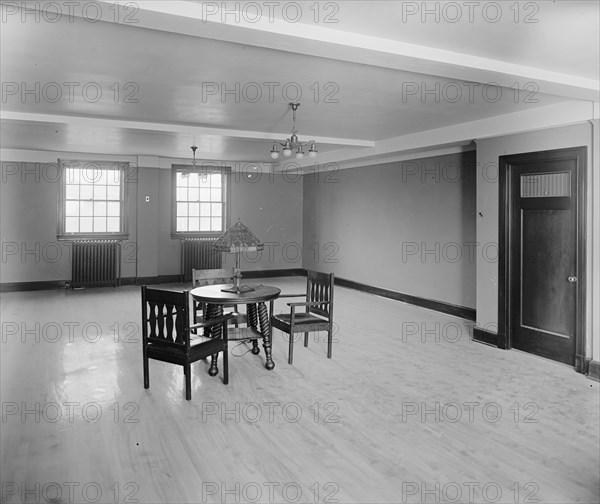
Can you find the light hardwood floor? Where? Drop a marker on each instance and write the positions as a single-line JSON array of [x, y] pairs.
[[391, 418]]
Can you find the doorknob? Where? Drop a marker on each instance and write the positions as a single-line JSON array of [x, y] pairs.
[[572, 279]]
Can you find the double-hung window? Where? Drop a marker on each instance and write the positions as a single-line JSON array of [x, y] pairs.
[[92, 200], [200, 202]]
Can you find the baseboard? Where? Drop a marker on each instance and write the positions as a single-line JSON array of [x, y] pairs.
[[31, 286], [594, 370], [484, 336], [440, 306], [273, 273], [149, 280]]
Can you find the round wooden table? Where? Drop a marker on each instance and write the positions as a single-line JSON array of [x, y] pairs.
[[257, 313]]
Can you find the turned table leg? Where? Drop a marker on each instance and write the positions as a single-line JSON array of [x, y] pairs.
[[215, 332], [253, 322], [265, 329]]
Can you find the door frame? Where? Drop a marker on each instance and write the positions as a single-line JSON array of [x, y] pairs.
[[506, 175]]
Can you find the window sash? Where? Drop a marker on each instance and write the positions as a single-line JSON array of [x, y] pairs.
[[92, 200], [195, 213]]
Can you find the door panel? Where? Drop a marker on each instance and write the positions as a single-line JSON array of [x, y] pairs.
[[543, 254]]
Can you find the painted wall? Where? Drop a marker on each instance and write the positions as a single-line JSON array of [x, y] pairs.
[[270, 205], [28, 225], [406, 226], [488, 153]]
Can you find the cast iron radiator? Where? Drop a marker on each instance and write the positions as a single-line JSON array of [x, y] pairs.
[[95, 263], [198, 254]]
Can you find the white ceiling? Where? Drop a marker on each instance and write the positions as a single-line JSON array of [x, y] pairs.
[[164, 72]]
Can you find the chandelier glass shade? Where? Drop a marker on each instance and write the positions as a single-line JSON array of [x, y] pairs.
[[292, 144], [186, 173]]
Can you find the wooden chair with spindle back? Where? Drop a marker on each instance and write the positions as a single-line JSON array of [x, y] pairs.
[[212, 277], [318, 314], [166, 334]]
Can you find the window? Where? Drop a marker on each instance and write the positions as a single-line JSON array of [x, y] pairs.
[[92, 200], [199, 202]]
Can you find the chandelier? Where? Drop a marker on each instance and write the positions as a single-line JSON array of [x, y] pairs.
[[293, 144], [185, 173]]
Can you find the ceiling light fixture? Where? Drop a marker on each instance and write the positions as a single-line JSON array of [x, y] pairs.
[[186, 173], [293, 144]]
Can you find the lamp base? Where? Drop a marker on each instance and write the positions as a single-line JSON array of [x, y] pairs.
[[238, 289]]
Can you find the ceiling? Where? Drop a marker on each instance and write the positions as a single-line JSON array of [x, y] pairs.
[[374, 79]]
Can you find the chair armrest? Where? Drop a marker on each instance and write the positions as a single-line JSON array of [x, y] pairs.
[[292, 295], [213, 321], [310, 303]]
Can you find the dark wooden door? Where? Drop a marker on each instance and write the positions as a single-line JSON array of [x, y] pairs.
[[545, 253]]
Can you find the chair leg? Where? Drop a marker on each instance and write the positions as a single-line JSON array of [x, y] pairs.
[[329, 343], [291, 349], [226, 366], [305, 339], [187, 371], [146, 374]]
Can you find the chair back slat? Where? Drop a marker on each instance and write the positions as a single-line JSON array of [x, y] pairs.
[[165, 317], [320, 289], [211, 276]]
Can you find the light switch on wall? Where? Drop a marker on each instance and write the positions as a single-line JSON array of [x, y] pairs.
[[147, 199]]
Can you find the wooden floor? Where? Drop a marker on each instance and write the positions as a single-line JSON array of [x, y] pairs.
[[391, 418]]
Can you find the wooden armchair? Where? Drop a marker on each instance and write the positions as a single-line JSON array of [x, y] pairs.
[[318, 314], [212, 277], [166, 334]]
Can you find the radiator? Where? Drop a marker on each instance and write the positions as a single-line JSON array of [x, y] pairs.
[[198, 254], [95, 263]]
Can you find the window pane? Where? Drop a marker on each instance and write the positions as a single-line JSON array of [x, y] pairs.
[[90, 174], [100, 192], [180, 180], [215, 180], [72, 209], [113, 225], [86, 192], [193, 194], [86, 208], [216, 224], [182, 209], [193, 181], [204, 223], [102, 177], [85, 225], [99, 209], [217, 209], [181, 194], [194, 224], [72, 192], [194, 209], [215, 194], [100, 224], [73, 175], [113, 193], [204, 194], [205, 209], [72, 225], [113, 208], [113, 177], [182, 224]]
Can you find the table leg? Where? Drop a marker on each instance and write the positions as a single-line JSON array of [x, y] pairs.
[[265, 329], [253, 322], [215, 332]]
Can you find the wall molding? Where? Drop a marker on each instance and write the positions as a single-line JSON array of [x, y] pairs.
[[594, 370], [484, 336], [440, 306]]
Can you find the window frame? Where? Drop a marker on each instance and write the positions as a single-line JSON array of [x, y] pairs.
[[123, 233], [225, 173]]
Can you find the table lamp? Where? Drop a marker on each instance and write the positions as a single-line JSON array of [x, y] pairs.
[[237, 239]]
